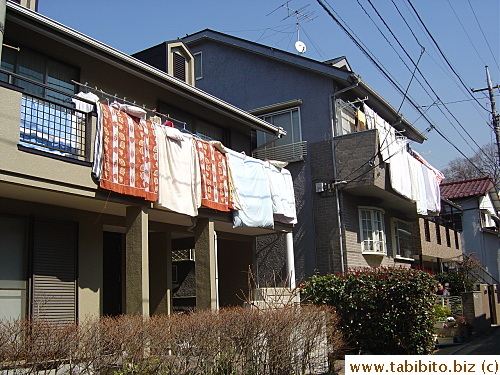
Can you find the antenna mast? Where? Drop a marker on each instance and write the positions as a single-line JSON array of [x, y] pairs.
[[300, 14]]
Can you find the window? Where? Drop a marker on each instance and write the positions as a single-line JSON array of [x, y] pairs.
[[198, 65], [346, 118], [427, 232], [371, 222], [49, 121], [289, 120], [402, 239], [42, 69], [13, 268]]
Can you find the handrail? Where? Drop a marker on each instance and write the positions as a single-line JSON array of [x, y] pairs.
[[45, 86]]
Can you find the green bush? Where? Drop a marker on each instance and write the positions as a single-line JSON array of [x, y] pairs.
[[382, 310], [441, 312]]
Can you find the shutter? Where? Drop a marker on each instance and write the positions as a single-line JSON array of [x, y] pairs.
[[179, 67], [54, 271]]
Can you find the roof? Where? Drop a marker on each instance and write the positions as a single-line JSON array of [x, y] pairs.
[[341, 76], [181, 87], [466, 188]]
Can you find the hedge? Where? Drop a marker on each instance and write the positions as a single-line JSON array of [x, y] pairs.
[[382, 310]]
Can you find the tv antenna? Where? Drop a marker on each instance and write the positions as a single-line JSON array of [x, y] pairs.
[[300, 15]]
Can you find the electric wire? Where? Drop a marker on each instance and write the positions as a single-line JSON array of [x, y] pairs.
[[480, 109], [442, 54], [426, 81], [482, 32], [466, 33], [379, 67]]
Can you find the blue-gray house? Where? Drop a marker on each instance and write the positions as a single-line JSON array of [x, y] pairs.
[[342, 139]]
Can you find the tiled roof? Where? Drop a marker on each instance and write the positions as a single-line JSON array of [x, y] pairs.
[[466, 188]]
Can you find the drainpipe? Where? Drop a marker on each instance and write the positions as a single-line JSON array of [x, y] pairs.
[[336, 184], [3, 10]]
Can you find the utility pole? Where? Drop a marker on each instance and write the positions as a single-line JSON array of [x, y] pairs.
[[494, 114]]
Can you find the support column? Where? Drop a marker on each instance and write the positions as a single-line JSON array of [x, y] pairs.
[[160, 271], [290, 260], [3, 10], [205, 265], [136, 262]]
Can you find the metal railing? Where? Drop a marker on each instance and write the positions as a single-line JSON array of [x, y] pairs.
[[184, 254], [289, 153], [453, 302], [52, 125]]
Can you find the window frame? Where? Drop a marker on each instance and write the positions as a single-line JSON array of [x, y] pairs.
[[198, 65], [380, 232], [395, 241], [291, 133]]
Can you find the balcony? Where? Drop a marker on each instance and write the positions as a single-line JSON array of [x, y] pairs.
[[51, 124]]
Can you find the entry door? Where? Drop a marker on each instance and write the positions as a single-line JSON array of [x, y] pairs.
[[112, 277]]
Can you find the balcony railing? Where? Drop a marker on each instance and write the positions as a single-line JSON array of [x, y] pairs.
[[51, 125], [290, 153]]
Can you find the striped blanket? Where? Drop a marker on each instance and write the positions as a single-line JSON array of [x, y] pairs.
[[130, 164], [214, 177]]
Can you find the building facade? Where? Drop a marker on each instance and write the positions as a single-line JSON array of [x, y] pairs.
[[480, 221], [72, 249], [350, 215]]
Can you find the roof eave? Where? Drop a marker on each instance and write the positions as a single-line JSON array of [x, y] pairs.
[[138, 64]]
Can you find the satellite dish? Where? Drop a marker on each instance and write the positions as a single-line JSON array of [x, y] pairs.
[[300, 46]]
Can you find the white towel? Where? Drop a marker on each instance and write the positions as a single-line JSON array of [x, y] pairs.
[[399, 170], [418, 190], [252, 185], [179, 183], [282, 194]]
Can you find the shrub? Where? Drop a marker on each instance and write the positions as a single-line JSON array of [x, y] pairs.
[[382, 310], [292, 340]]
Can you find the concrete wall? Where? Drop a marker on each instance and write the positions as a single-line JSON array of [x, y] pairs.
[[432, 248]]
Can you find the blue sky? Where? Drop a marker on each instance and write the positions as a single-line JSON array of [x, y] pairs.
[[131, 26]]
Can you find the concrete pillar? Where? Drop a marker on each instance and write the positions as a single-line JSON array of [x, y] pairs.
[[160, 273], [290, 260], [136, 262], [3, 9], [205, 265]]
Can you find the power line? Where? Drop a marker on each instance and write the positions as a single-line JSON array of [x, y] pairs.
[[409, 28], [482, 32], [388, 77], [480, 109], [420, 72], [466, 33], [442, 53]]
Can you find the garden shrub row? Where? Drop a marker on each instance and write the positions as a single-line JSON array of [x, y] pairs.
[[292, 340], [382, 310]]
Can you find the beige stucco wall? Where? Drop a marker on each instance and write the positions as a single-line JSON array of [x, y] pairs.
[[433, 249], [90, 267], [30, 169]]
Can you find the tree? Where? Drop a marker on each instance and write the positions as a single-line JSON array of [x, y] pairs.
[[483, 163]]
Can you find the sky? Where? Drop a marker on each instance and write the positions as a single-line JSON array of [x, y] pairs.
[[467, 32]]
